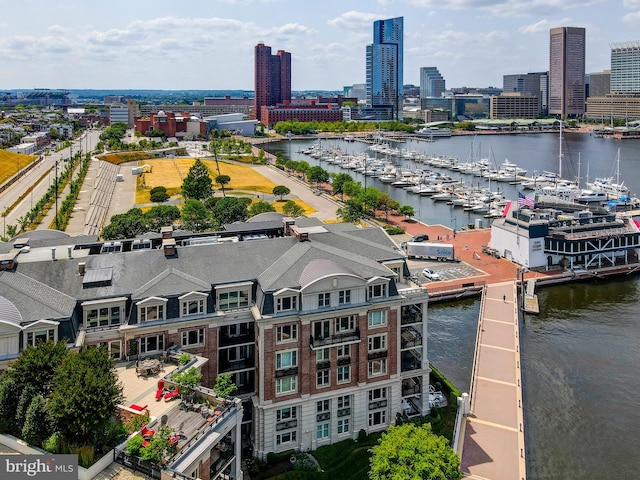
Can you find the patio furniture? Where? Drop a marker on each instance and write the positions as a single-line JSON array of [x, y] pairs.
[[171, 395], [147, 432], [138, 408], [159, 394]]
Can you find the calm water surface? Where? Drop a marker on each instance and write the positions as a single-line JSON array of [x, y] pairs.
[[581, 354]]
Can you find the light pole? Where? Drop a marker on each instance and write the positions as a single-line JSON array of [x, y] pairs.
[[289, 137], [56, 183], [4, 222]]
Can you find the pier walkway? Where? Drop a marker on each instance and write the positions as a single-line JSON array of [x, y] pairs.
[[491, 445]]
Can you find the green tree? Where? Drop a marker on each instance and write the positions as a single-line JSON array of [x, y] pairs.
[[229, 210], [407, 211], [187, 379], [222, 180], [224, 386], [260, 207], [195, 216], [36, 366], [9, 395], [162, 216], [292, 209], [158, 194], [85, 395], [338, 183], [352, 212], [26, 396], [281, 191], [126, 225], [318, 175], [197, 184], [408, 452], [37, 427]]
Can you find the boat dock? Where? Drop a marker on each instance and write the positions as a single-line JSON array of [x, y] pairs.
[[491, 443]]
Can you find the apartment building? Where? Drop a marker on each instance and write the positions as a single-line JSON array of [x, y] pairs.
[[320, 326]]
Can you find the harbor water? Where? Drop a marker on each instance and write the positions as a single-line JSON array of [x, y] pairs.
[[581, 353]]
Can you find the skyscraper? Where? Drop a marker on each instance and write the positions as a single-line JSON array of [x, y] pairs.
[[566, 71], [272, 78], [385, 65], [625, 67], [431, 82]]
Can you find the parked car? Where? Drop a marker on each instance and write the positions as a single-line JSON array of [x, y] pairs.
[[431, 274], [423, 237]]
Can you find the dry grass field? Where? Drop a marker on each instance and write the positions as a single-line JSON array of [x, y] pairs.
[[11, 162], [118, 158], [169, 173], [308, 210]]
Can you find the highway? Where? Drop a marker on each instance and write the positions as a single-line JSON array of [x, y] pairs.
[[86, 142]]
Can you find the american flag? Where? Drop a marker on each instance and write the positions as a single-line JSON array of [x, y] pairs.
[[526, 201]]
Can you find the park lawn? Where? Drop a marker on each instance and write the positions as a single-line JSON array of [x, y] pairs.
[[11, 162], [169, 173]]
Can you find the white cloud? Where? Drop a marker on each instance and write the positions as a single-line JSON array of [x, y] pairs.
[[508, 8], [354, 20], [543, 25], [631, 17]]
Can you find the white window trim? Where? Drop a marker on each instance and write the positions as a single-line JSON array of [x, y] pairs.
[[97, 304], [344, 368], [152, 302], [293, 354], [294, 382], [234, 287], [201, 337], [280, 295], [383, 367], [384, 313], [383, 343], [326, 373], [190, 297]]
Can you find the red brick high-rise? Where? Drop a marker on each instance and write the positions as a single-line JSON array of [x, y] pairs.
[[272, 78]]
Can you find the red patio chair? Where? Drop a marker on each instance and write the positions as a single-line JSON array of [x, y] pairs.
[[146, 432], [171, 395], [159, 394]]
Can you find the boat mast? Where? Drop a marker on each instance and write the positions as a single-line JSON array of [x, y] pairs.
[[560, 154]]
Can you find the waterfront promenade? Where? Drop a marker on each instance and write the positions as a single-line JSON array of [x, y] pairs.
[[491, 444]]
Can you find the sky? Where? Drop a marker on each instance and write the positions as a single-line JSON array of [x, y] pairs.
[[209, 44]]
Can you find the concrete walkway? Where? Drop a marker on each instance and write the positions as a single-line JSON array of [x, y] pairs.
[[492, 446]]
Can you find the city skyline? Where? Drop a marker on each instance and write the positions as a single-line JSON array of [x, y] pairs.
[[74, 45]]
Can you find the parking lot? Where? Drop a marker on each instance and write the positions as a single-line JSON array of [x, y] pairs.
[[446, 270]]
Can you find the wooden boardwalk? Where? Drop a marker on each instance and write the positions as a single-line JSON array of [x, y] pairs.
[[492, 436]]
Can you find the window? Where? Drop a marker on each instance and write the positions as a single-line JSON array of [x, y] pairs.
[[113, 347], [322, 355], [233, 300], [322, 378], [286, 437], [377, 394], [322, 329], [377, 367], [322, 431], [103, 316], [33, 338], [285, 414], [152, 344], [193, 337], [286, 333], [343, 425], [286, 385], [193, 307], [377, 418], [286, 359], [345, 324], [377, 318], [377, 342], [344, 401], [344, 374], [344, 351], [323, 406], [324, 300], [377, 291], [286, 303], [151, 312], [344, 296]]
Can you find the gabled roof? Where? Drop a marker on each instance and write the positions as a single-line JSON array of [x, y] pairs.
[[170, 282]]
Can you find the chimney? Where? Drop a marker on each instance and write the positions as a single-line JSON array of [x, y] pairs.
[[167, 232], [82, 268], [169, 247], [53, 253]]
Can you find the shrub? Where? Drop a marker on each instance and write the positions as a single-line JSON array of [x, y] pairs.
[[394, 230], [362, 436], [134, 445], [304, 463], [52, 444], [137, 422], [158, 194], [184, 358]]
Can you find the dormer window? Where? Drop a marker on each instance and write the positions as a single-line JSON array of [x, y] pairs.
[[233, 297], [378, 291], [192, 304], [152, 309], [286, 300], [104, 313], [40, 331]]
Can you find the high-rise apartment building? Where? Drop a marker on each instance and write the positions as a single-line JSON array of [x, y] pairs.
[[384, 65], [566, 71], [625, 67], [432, 83], [272, 78]]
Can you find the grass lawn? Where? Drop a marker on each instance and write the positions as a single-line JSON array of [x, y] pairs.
[[10, 163], [245, 181]]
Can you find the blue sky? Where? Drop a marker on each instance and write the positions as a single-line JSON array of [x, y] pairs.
[[208, 44]]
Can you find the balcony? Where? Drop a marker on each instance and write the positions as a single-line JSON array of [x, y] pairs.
[[411, 360], [335, 339], [222, 462], [410, 338], [230, 366], [378, 354], [342, 361], [286, 372], [411, 386], [227, 340]]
